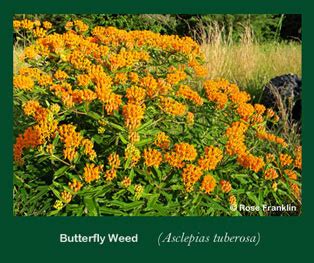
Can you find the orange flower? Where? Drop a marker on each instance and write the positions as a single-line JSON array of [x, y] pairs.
[[270, 174], [23, 82], [114, 160], [133, 114], [225, 186], [175, 76], [285, 159], [83, 80], [75, 185], [191, 174], [30, 107], [61, 75], [135, 95], [88, 146], [110, 174], [152, 157], [133, 77], [187, 93], [291, 174], [66, 197], [134, 136], [236, 136], [270, 113], [91, 172], [47, 25], [150, 85], [70, 153], [172, 107], [259, 108], [132, 153], [245, 110], [250, 161], [232, 200], [212, 157], [298, 157], [296, 190], [208, 184], [126, 182], [186, 151], [121, 78], [271, 137], [162, 140]]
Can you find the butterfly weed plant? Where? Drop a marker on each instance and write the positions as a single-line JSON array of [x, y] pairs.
[[115, 122]]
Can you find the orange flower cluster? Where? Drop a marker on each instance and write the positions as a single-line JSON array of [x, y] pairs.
[[75, 185], [187, 93], [88, 146], [150, 85], [30, 107], [162, 140], [135, 95], [110, 174], [132, 153], [152, 157], [236, 136], [215, 93], [175, 76], [296, 190], [126, 182], [191, 174], [285, 159], [208, 184], [61, 75], [259, 108], [92, 172], [245, 110], [182, 152], [251, 162], [271, 137], [172, 107], [232, 200], [114, 163], [291, 174], [30, 139], [270, 174], [23, 82], [126, 59], [199, 70], [298, 157], [133, 115], [66, 196], [72, 140], [212, 157], [225, 186]]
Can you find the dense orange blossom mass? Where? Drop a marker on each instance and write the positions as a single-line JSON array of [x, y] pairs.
[[104, 85]]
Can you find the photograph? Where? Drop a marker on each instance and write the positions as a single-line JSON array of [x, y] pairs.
[[157, 115]]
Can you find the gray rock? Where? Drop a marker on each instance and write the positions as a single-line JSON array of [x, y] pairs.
[[284, 93]]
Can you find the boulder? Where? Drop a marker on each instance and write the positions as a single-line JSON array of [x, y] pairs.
[[284, 93]]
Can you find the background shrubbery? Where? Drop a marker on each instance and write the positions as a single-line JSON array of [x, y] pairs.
[[267, 27]]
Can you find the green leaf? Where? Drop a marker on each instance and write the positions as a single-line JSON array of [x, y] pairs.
[[123, 140], [94, 115], [116, 126], [60, 171], [91, 206]]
